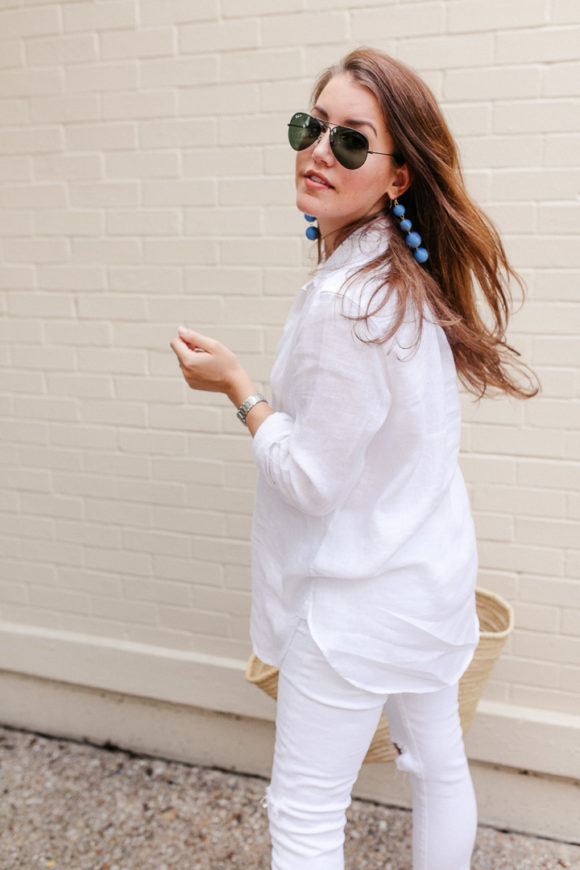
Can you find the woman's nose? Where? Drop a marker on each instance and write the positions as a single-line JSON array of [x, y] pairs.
[[322, 149]]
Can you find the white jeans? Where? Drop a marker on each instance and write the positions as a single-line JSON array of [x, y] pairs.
[[324, 726]]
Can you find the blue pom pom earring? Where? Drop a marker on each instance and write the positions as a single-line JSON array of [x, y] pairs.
[[311, 232], [413, 239]]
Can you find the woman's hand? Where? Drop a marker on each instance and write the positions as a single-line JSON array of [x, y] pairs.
[[207, 364]]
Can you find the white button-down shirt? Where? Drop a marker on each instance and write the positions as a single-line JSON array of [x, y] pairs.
[[362, 521]]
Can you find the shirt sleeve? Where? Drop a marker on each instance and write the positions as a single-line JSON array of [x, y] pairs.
[[340, 398]]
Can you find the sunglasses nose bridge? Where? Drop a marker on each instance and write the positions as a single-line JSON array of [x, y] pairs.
[[323, 141]]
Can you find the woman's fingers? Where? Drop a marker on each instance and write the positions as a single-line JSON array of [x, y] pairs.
[[197, 377], [195, 340], [188, 340], [206, 363], [180, 348]]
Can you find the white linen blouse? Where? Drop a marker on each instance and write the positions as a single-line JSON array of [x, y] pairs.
[[362, 522]]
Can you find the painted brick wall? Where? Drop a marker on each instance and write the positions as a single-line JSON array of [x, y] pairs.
[[145, 182]]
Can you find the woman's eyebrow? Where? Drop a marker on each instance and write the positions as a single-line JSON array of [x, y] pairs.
[[354, 122], [350, 122]]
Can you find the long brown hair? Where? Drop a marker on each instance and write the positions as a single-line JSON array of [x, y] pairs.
[[466, 255]]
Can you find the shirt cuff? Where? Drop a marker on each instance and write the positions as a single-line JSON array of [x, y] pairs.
[[275, 427]]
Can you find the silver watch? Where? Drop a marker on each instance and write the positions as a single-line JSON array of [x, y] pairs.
[[246, 406]]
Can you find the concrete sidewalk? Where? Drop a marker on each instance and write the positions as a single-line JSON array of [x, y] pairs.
[[74, 806]]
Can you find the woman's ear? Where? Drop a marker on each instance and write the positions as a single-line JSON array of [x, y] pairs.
[[400, 182]]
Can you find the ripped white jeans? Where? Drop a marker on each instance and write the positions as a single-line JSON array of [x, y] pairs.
[[324, 726]]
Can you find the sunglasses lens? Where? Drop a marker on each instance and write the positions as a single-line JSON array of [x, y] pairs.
[[349, 147], [303, 131]]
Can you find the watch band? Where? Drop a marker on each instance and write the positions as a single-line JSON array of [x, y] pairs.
[[246, 406]]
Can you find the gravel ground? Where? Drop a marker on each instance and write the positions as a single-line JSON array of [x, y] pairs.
[[73, 806]]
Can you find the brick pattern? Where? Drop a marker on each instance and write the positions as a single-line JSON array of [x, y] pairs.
[[144, 182]]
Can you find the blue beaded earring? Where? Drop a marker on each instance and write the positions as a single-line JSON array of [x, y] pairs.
[[311, 232], [413, 239]]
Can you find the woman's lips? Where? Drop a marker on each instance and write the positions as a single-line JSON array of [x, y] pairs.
[[317, 182]]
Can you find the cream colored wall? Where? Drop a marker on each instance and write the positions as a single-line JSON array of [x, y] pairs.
[[145, 181]]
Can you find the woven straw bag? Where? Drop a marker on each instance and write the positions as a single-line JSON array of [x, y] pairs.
[[496, 620]]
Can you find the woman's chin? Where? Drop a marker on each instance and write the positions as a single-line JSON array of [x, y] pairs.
[[306, 204]]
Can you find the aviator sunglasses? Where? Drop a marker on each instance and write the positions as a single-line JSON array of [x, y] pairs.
[[350, 147]]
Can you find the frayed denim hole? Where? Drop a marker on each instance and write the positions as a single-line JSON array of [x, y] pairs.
[[268, 804], [405, 762]]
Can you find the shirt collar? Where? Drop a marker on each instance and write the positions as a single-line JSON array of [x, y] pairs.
[[360, 247]]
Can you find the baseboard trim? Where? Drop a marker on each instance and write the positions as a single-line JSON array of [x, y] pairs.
[[522, 738], [507, 798]]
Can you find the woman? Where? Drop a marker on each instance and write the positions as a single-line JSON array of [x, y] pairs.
[[364, 559]]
